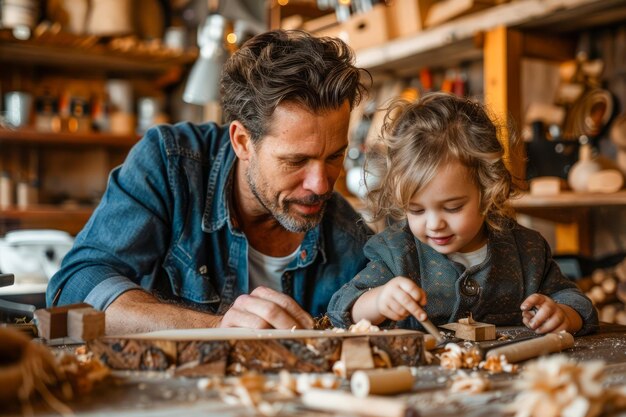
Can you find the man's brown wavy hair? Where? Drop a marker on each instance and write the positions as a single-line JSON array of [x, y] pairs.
[[288, 66]]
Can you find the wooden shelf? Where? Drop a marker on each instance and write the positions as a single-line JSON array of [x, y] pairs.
[[49, 212], [95, 57], [22, 136], [453, 42], [69, 219], [570, 200]]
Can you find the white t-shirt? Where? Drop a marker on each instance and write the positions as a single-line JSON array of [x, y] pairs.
[[267, 271], [470, 259]]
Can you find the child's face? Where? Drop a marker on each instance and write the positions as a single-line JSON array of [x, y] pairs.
[[446, 213]]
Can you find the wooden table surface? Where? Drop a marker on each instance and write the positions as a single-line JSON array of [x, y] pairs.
[[138, 394]]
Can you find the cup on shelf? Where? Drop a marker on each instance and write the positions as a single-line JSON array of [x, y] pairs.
[[17, 106]]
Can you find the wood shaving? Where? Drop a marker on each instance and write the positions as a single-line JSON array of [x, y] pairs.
[[381, 358], [457, 357], [363, 326], [469, 320], [558, 387], [473, 383], [339, 369], [56, 378], [253, 389], [305, 382], [496, 365]]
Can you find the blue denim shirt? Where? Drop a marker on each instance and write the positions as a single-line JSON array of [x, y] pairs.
[[164, 225]]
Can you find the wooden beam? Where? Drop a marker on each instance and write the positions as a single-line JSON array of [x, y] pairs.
[[551, 48], [502, 67]]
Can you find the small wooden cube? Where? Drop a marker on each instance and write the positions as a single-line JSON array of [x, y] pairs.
[[476, 331], [85, 324], [52, 322]]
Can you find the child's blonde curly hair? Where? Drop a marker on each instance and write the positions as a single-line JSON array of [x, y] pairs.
[[419, 137]]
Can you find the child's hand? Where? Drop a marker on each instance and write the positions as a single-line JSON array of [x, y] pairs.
[[400, 298], [541, 314]]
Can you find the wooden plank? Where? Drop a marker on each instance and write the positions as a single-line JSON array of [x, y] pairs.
[[552, 48], [232, 351], [453, 39]]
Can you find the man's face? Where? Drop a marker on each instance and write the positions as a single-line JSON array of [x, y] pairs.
[[293, 169]]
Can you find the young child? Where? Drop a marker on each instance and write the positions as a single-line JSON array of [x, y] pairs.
[[458, 245]]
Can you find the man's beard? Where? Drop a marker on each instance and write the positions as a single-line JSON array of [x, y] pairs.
[[280, 210]]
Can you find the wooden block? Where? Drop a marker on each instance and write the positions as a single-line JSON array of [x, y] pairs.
[[546, 185], [477, 332], [605, 181], [407, 17], [52, 322], [85, 324], [469, 329], [356, 354], [218, 351]]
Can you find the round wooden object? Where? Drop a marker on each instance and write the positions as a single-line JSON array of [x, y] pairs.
[[578, 177]]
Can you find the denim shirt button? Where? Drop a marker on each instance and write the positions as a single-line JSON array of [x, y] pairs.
[[203, 270], [470, 287]]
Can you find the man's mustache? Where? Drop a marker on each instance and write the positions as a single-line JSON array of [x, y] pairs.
[[311, 199]]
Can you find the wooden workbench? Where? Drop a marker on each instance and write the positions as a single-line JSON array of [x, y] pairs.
[[138, 394]]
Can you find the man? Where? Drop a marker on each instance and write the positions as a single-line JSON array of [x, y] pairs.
[[233, 226]]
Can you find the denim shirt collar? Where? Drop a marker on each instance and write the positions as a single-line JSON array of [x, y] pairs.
[[217, 214]]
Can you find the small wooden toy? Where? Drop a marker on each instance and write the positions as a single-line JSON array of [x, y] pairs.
[[469, 329]]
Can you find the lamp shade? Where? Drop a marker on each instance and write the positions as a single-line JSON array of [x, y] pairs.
[[203, 82]]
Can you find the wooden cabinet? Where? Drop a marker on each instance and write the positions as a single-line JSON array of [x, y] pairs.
[[64, 159]]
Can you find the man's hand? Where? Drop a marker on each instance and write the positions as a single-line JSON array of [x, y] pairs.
[[541, 314], [265, 308]]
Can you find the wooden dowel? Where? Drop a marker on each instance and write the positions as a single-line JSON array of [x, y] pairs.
[[381, 381], [339, 401], [430, 328], [528, 349]]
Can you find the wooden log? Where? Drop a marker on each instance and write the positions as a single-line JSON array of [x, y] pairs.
[[528, 349], [381, 381], [621, 292], [52, 322], [597, 295], [620, 271], [85, 324], [620, 317], [343, 402], [607, 313], [598, 276], [217, 351], [609, 285]]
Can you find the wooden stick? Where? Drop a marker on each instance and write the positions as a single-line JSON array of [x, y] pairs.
[[381, 381], [339, 401], [528, 349], [430, 328]]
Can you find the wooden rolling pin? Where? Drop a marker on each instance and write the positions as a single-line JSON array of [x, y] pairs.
[[341, 401], [381, 381], [528, 349]]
